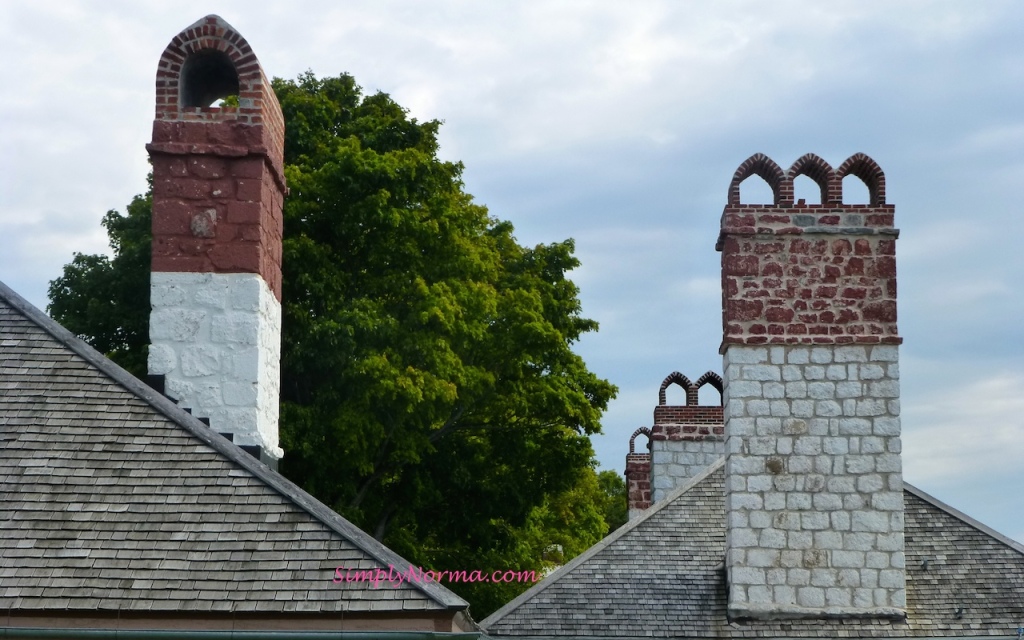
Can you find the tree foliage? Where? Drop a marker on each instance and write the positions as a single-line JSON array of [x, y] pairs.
[[430, 392]]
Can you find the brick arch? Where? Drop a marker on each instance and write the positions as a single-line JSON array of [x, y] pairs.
[[815, 168], [865, 168], [715, 381], [768, 170], [642, 430], [674, 378], [216, 48]]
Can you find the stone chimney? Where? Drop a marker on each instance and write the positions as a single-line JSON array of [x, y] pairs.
[[685, 440], [218, 192], [814, 487]]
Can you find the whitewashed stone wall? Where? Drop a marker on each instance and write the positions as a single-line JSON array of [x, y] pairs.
[[814, 486], [673, 462], [217, 340]]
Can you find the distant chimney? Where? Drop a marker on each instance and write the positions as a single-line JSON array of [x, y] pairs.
[[814, 487], [218, 191], [685, 440], [638, 476]]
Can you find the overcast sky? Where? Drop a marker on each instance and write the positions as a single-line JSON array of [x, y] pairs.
[[618, 124]]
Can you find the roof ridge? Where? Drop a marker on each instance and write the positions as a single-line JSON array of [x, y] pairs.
[[567, 568], [963, 517], [286, 488]]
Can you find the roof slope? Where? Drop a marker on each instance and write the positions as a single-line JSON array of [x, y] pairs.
[[111, 497], [662, 575]]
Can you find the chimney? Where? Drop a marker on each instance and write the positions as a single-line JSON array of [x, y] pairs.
[[814, 487], [685, 440], [218, 192], [638, 476]]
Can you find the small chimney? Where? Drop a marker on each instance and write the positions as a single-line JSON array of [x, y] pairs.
[[218, 192], [684, 441], [814, 487], [638, 476]]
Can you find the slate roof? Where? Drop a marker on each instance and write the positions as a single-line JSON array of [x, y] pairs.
[[111, 497], [662, 576]]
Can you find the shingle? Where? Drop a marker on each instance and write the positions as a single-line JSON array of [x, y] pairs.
[[109, 495], [663, 578]]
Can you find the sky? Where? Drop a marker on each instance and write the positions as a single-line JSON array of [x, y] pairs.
[[619, 125]]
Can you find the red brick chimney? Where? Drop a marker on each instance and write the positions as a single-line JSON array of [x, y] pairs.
[[638, 475], [218, 192]]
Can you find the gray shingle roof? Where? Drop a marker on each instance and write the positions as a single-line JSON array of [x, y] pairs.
[[111, 497], [662, 576]]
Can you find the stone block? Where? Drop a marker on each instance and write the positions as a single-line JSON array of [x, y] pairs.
[[738, 354], [884, 389], [871, 371], [774, 390], [796, 389], [784, 445], [810, 597], [870, 521], [857, 464], [891, 579], [797, 540], [761, 373], [848, 559], [747, 576], [798, 501], [821, 390], [887, 501], [798, 355], [850, 354], [792, 373], [856, 426], [807, 445], [859, 541], [870, 483], [821, 355], [885, 353], [835, 372], [779, 408], [814, 372], [758, 407], [802, 408], [827, 502], [838, 597], [814, 521], [840, 520], [797, 577], [763, 557], [849, 389], [877, 560]]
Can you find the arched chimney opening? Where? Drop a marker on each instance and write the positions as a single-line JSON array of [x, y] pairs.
[[207, 76]]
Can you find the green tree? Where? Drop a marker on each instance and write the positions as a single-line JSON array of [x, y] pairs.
[[614, 506], [105, 301], [429, 388]]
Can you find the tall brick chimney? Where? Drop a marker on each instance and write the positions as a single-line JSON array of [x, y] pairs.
[[218, 192], [814, 488]]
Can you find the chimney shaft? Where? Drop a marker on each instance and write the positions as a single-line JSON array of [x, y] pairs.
[[814, 488], [218, 192]]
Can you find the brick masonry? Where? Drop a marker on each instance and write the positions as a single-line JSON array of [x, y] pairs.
[[218, 195], [218, 180], [814, 483]]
